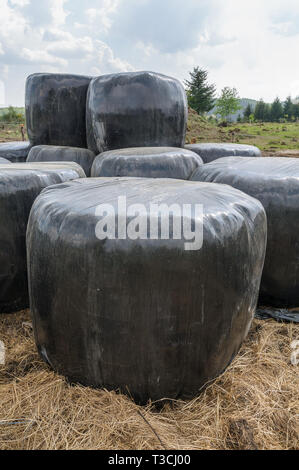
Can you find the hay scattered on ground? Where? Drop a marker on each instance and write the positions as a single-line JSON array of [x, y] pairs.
[[253, 405]]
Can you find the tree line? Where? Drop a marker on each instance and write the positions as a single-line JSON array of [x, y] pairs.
[[275, 112], [202, 98]]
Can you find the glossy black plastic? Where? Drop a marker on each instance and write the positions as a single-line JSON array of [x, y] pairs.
[[51, 153], [147, 162], [15, 152], [146, 316], [275, 182], [282, 314], [212, 151], [19, 186], [142, 109], [55, 107]]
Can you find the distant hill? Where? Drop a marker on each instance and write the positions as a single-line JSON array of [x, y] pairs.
[[243, 103]]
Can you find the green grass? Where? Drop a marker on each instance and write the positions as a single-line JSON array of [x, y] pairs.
[[267, 136], [10, 131]]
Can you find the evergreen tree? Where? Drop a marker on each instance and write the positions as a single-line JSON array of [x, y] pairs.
[[276, 110], [267, 113], [247, 112], [288, 109], [228, 103], [260, 111], [296, 111], [201, 95]]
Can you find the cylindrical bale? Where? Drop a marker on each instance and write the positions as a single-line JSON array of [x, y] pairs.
[[121, 306], [20, 184], [55, 106], [147, 162], [15, 152], [274, 182], [212, 151], [142, 109], [3, 161], [51, 153]]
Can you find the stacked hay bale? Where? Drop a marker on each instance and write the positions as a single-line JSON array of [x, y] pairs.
[[151, 305], [15, 152], [147, 162], [212, 151], [275, 183], [53, 153], [150, 311], [20, 184], [141, 109]]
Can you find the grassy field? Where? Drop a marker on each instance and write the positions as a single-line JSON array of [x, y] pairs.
[[10, 132], [269, 137]]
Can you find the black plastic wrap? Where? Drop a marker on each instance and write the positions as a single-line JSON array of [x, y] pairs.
[[55, 107], [15, 152], [142, 109], [210, 152], [281, 315], [145, 316], [19, 186], [3, 161], [51, 153], [275, 182], [147, 162]]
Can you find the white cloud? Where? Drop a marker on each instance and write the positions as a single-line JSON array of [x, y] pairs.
[[71, 47], [41, 57], [102, 15], [20, 3], [249, 45], [35, 36], [106, 62]]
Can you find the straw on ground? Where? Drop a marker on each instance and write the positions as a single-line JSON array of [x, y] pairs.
[[253, 405]]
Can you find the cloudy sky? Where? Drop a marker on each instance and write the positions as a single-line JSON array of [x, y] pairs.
[[251, 45]]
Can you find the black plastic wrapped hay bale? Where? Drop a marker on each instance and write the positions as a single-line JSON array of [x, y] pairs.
[[210, 152], [15, 152], [275, 182], [141, 109], [143, 315], [55, 106], [147, 162], [51, 153], [20, 184], [3, 161]]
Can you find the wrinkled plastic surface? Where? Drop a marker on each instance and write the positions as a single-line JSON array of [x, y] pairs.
[[15, 152], [51, 153], [142, 109], [147, 162], [55, 106], [145, 316], [275, 182], [19, 186], [210, 151], [4, 161], [281, 315]]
